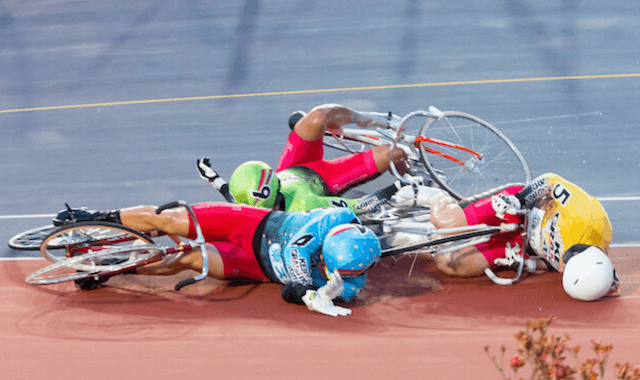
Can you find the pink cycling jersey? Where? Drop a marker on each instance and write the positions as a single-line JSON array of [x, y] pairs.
[[482, 212], [338, 174]]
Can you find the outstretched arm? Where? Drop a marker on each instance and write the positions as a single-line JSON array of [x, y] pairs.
[[211, 176]]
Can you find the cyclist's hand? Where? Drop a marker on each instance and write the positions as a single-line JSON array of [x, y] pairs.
[[204, 168], [513, 257], [319, 304], [333, 288], [505, 204]]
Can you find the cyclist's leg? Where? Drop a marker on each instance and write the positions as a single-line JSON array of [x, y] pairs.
[[298, 151], [322, 118], [144, 219], [466, 262], [190, 261], [230, 228], [470, 261], [226, 261], [346, 171], [305, 141]]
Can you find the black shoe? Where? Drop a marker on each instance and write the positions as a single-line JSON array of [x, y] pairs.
[[83, 214], [295, 117], [90, 283]]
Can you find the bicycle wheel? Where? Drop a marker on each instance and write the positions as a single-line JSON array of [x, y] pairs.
[[466, 155], [30, 240], [82, 237], [97, 264]]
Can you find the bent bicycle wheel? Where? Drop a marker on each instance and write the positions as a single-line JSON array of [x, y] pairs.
[[83, 237], [466, 155], [30, 240], [96, 264]]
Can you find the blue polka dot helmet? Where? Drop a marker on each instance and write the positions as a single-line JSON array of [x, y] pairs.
[[352, 249]]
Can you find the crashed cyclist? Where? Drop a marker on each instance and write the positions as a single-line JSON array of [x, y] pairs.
[[303, 179], [318, 256], [568, 231]]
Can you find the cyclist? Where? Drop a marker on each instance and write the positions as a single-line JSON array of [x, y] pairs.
[[568, 231], [318, 256], [303, 179]]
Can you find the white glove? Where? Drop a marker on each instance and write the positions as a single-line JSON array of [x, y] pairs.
[[320, 301], [319, 304], [505, 204], [333, 288], [206, 173], [407, 196], [513, 258]]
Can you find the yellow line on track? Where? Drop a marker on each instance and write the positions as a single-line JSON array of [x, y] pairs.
[[300, 92]]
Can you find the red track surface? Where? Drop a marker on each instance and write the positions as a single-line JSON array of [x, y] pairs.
[[423, 326]]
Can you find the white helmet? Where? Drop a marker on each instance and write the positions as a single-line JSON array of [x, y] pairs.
[[588, 273]]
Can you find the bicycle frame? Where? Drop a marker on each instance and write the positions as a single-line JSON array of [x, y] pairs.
[[395, 137]]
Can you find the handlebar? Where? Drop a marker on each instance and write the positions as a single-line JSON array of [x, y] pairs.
[[168, 206], [398, 125], [199, 240]]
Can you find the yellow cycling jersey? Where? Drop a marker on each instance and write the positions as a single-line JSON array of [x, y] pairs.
[[563, 215]]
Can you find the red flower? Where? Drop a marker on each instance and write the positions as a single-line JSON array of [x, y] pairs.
[[517, 362]]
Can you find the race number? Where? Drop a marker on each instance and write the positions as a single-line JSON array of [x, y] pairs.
[[339, 203], [561, 194]]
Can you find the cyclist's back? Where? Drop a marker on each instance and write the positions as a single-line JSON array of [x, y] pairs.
[[303, 189]]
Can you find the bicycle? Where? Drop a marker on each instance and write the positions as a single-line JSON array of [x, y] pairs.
[[462, 153], [99, 250]]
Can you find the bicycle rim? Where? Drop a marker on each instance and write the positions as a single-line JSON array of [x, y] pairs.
[[104, 263], [30, 240], [85, 236], [500, 163]]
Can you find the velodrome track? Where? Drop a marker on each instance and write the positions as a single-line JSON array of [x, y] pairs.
[[108, 104]]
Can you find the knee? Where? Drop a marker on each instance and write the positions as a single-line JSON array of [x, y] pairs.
[[447, 265], [454, 266], [445, 213], [174, 222]]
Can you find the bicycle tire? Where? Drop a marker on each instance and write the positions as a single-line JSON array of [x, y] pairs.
[[30, 240], [87, 235], [105, 263], [501, 162]]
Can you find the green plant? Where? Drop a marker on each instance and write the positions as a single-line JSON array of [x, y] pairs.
[[546, 356]]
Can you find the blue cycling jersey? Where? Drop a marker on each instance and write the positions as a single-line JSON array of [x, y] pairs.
[[291, 244]]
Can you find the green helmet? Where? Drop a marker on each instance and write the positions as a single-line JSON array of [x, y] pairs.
[[254, 183]]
